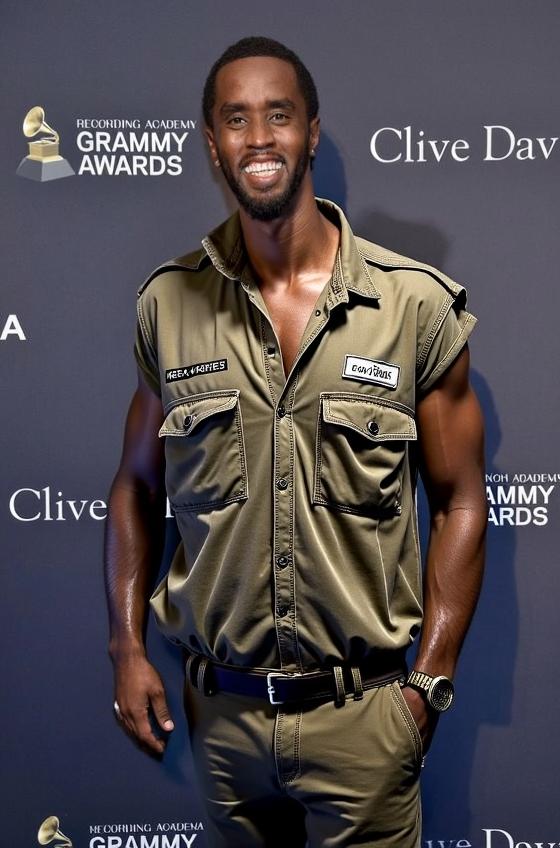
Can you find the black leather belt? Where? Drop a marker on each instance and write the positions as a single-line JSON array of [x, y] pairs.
[[280, 687]]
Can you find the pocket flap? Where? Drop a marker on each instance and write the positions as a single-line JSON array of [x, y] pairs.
[[189, 412], [375, 418]]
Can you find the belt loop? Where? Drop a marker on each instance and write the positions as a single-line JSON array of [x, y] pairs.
[[201, 676], [340, 698], [188, 667], [358, 685]]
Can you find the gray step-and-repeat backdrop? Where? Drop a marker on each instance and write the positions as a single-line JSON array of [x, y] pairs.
[[440, 139]]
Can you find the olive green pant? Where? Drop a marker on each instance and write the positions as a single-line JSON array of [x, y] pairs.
[[310, 775]]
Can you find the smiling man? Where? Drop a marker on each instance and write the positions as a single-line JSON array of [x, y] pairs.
[[293, 379]]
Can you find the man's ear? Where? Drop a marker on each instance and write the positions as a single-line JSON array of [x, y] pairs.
[[209, 133], [314, 134]]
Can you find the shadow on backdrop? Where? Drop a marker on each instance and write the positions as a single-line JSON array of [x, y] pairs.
[[328, 172]]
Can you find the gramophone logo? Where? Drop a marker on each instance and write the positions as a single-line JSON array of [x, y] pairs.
[[44, 161], [50, 834]]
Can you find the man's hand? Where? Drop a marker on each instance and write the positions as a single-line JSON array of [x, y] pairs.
[[139, 693], [134, 539], [424, 717]]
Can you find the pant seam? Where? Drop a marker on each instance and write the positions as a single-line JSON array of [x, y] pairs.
[[297, 750]]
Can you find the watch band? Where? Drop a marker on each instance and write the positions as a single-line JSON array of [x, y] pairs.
[[420, 679]]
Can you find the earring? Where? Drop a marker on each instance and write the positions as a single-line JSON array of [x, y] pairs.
[[217, 163]]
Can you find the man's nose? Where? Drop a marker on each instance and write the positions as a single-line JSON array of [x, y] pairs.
[[259, 133]]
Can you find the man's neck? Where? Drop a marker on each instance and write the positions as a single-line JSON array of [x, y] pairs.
[[288, 249]]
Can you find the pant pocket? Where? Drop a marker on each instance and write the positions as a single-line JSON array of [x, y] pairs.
[[407, 720]]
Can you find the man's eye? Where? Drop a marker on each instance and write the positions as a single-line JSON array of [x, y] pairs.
[[279, 116], [236, 120]]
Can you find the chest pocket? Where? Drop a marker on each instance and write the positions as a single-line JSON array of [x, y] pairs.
[[360, 453], [205, 451]]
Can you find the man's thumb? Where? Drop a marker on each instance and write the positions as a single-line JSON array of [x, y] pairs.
[[161, 712]]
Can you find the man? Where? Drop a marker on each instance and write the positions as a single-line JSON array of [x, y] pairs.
[[299, 377]]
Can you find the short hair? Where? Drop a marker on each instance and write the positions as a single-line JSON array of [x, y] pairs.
[[260, 46]]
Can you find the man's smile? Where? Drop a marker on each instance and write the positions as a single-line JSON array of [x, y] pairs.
[[262, 167], [263, 173]]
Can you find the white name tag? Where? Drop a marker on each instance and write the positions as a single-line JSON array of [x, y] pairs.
[[371, 371]]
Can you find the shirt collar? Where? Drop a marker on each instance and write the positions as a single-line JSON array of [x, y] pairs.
[[225, 249]]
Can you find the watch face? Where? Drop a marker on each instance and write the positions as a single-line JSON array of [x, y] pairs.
[[441, 694]]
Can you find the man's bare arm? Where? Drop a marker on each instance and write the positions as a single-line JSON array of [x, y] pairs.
[[452, 467], [133, 545]]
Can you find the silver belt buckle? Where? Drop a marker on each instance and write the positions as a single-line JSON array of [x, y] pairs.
[[270, 684]]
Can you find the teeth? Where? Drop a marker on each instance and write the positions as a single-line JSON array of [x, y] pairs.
[[261, 167]]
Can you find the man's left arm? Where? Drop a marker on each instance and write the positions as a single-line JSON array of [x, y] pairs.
[[450, 431]]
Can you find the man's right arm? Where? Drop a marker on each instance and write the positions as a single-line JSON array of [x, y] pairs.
[[133, 545]]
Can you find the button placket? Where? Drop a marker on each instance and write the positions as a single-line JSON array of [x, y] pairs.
[[282, 496], [283, 554], [272, 358], [284, 500], [282, 389]]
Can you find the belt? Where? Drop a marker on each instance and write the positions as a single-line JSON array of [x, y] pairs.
[[280, 687]]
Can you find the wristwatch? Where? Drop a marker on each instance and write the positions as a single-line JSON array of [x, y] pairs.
[[438, 691]]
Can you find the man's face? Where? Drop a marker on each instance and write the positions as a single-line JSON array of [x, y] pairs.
[[262, 136]]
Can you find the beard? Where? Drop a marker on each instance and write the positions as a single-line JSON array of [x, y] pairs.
[[267, 208]]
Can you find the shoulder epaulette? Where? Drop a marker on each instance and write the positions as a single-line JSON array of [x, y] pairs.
[[385, 258], [188, 262]]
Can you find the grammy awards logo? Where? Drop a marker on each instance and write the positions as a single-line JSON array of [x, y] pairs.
[[44, 161], [49, 832]]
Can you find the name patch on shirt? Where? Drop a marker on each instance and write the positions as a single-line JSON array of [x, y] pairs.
[[371, 371], [188, 371]]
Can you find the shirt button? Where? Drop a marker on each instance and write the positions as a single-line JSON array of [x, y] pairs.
[[282, 483], [187, 422], [373, 427], [282, 561], [271, 350], [281, 411], [283, 611]]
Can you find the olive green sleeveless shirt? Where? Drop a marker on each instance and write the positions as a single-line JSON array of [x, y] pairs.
[[294, 493]]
